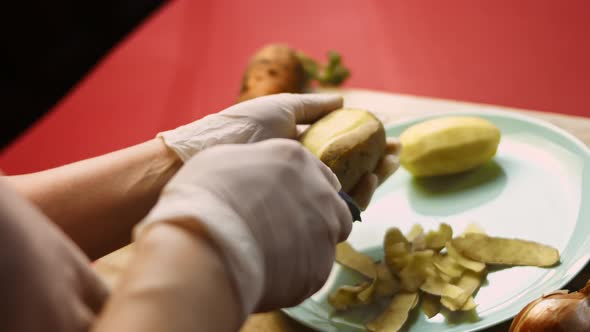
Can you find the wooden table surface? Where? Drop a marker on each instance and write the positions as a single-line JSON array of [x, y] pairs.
[[389, 108]]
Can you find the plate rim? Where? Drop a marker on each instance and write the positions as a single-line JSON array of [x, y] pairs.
[[406, 120]]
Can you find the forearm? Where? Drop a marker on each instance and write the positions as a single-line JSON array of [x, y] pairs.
[[98, 201], [175, 282]]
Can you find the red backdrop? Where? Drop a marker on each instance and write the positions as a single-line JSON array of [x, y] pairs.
[[188, 59]]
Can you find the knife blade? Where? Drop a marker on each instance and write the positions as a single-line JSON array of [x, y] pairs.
[[355, 211]]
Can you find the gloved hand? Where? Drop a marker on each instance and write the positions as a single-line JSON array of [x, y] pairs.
[[272, 210], [274, 116], [364, 189]]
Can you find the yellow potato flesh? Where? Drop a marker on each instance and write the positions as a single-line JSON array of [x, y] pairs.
[[464, 261], [448, 266], [349, 141], [473, 228], [437, 286], [416, 231], [469, 282], [436, 240], [469, 305], [329, 128], [448, 145]]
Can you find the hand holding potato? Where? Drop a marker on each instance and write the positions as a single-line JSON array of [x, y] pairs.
[[274, 116], [352, 142], [388, 164]]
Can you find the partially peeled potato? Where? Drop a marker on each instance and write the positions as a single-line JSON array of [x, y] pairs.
[[349, 141]]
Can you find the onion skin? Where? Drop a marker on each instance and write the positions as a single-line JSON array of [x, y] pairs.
[[559, 311]]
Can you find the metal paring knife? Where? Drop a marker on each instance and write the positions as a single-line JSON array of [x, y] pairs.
[[354, 209]]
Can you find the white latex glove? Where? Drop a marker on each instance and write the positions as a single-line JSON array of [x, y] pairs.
[[274, 116], [272, 210]]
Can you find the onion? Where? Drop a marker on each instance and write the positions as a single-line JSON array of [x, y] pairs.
[[556, 312]]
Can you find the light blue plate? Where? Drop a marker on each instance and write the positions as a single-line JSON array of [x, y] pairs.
[[537, 188]]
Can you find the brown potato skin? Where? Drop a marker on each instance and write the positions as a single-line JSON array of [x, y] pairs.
[[356, 153], [273, 69]]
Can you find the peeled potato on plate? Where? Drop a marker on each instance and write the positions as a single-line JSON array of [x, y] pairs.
[[448, 145]]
